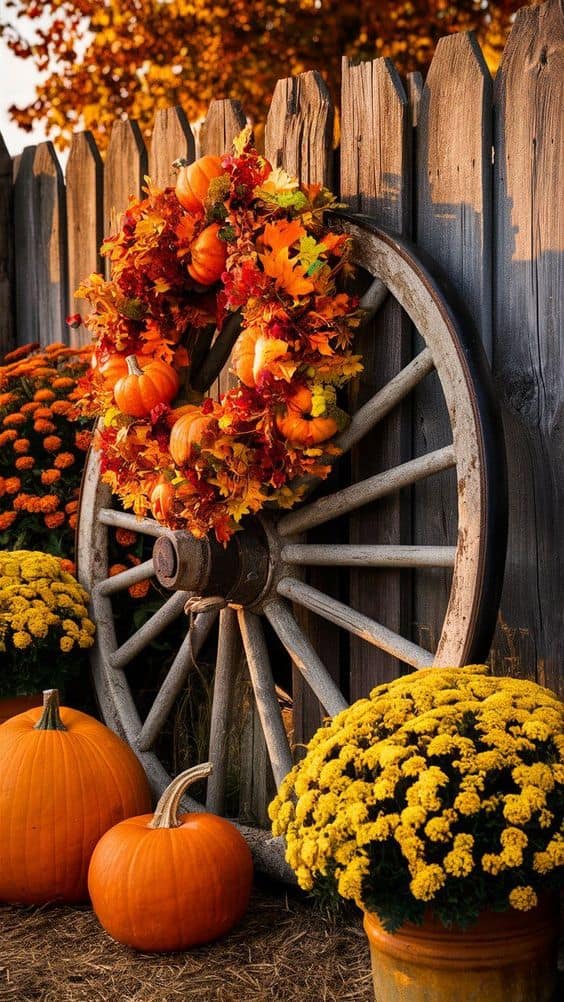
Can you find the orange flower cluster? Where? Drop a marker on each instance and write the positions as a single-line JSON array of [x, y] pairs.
[[43, 442], [259, 242]]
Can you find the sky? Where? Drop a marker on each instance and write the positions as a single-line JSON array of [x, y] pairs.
[[18, 78]]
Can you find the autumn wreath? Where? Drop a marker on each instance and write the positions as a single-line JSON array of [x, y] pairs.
[[236, 242]]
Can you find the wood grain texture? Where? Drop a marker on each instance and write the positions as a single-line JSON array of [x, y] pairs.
[[6, 251], [40, 240], [528, 355], [85, 211], [124, 169], [376, 180], [298, 137], [453, 225], [223, 123], [299, 128], [172, 139]]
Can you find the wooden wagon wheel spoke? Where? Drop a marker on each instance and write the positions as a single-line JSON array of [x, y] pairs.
[[173, 607], [228, 654], [125, 520], [123, 580], [384, 401], [175, 679], [265, 694], [257, 574], [355, 622], [337, 504], [383, 555], [305, 657], [218, 354]]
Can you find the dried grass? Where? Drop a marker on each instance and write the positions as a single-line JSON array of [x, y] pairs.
[[283, 949]]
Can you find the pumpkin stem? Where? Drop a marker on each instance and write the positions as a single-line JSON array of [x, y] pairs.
[[50, 719], [181, 162], [166, 811], [133, 366]]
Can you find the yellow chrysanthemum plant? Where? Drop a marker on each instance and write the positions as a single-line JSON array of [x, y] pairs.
[[442, 790], [44, 625]]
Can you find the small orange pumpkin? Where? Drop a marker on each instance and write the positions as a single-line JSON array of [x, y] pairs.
[[113, 367], [142, 389], [162, 500], [193, 181], [209, 255], [186, 432], [166, 882], [294, 424], [254, 352], [65, 780]]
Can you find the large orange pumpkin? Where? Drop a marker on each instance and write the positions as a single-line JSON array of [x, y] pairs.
[[296, 424], [65, 779], [142, 389], [187, 432], [209, 255], [193, 181], [167, 882]]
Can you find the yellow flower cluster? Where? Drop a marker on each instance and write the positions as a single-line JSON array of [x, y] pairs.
[[448, 777], [41, 606]]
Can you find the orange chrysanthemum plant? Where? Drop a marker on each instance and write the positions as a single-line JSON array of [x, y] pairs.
[[43, 442], [247, 240]]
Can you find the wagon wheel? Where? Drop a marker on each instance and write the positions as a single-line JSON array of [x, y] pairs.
[[258, 574]]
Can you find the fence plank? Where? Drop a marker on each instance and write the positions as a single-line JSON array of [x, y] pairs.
[[298, 137], [376, 180], [40, 243], [453, 219], [528, 352], [223, 123], [299, 128], [124, 170], [85, 211], [6, 251], [172, 139]]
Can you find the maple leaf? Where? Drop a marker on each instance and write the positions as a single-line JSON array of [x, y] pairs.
[[283, 233], [288, 275]]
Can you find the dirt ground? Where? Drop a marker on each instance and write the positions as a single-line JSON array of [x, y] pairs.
[[284, 949]]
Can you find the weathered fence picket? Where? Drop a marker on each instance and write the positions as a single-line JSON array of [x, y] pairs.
[[453, 224], [6, 251], [40, 241], [376, 180], [509, 274], [85, 186], [528, 350], [172, 140], [124, 170]]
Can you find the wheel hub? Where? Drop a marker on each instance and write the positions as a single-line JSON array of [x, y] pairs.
[[237, 572]]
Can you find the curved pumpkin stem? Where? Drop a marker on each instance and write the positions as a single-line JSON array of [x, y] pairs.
[[166, 811], [50, 719], [133, 366]]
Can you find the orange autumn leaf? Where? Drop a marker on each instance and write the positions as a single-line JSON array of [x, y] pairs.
[[283, 233], [289, 277]]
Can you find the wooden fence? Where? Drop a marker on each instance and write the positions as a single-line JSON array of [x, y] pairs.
[[471, 170]]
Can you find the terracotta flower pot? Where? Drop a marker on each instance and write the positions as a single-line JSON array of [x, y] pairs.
[[10, 706], [508, 957]]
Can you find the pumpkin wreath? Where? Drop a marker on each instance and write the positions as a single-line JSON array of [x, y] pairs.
[[235, 245]]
